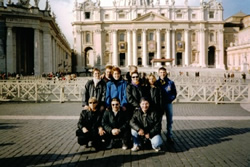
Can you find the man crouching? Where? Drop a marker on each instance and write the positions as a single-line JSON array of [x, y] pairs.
[[116, 123], [89, 132], [146, 124]]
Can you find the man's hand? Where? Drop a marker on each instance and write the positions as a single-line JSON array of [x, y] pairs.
[[141, 132], [101, 131], [84, 130], [115, 131], [86, 107]]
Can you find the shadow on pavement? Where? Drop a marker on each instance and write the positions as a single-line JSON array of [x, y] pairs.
[[194, 138], [54, 160], [6, 126]]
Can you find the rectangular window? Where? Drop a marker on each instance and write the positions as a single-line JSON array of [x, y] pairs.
[[211, 15], [151, 36], [139, 38], [139, 47], [87, 15], [106, 16], [163, 14], [163, 37], [179, 15], [138, 15], [121, 16], [87, 38], [121, 37], [193, 16]]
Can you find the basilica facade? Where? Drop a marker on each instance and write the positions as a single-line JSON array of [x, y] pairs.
[[31, 41], [135, 32]]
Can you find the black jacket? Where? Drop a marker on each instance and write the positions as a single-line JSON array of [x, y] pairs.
[[135, 93], [152, 125], [155, 97], [89, 119], [110, 121], [91, 91]]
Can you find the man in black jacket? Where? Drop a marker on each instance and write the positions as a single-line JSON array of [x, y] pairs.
[[90, 132], [116, 123], [146, 124]]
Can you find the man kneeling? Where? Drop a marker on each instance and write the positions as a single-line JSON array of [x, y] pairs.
[[90, 132], [146, 124], [116, 123]]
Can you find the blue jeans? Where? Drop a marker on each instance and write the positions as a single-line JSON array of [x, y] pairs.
[[156, 141], [169, 116]]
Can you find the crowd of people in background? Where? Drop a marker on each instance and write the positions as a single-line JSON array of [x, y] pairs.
[[121, 108]]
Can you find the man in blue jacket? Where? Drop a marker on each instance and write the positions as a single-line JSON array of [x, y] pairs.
[[168, 96]]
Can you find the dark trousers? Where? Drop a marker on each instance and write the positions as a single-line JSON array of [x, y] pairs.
[[84, 138], [124, 136]]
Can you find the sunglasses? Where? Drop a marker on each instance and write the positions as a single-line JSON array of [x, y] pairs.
[[135, 77], [116, 104], [93, 102]]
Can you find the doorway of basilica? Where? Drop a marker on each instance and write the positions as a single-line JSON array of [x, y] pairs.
[[211, 57], [25, 51], [179, 59]]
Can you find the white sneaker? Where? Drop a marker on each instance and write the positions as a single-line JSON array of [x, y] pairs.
[[157, 149], [124, 147], [135, 148]]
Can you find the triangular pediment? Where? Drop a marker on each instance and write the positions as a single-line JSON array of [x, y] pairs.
[[152, 17]]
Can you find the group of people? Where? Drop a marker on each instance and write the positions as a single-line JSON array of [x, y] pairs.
[[116, 108]]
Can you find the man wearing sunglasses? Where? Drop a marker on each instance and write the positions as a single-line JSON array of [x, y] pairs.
[[90, 132], [116, 123]]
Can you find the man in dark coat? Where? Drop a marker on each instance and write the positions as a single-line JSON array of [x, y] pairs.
[[90, 132], [116, 124], [145, 124]]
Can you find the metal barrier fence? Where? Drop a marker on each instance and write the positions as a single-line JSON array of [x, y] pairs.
[[192, 90]]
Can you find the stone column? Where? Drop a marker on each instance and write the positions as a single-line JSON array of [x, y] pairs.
[[202, 61], [98, 46], [144, 48], [173, 47], [187, 47], [11, 58], [221, 48], [38, 70], [168, 46], [129, 51], [158, 39], [135, 58], [115, 51], [47, 43]]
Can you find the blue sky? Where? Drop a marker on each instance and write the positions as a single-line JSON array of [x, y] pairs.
[[63, 10]]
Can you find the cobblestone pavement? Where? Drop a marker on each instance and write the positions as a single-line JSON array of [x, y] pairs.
[[48, 138]]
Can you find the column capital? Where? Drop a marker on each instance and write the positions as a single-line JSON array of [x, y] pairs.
[[129, 30], [158, 30], [98, 30], [134, 30], [203, 30], [114, 30], [144, 30], [187, 30]]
